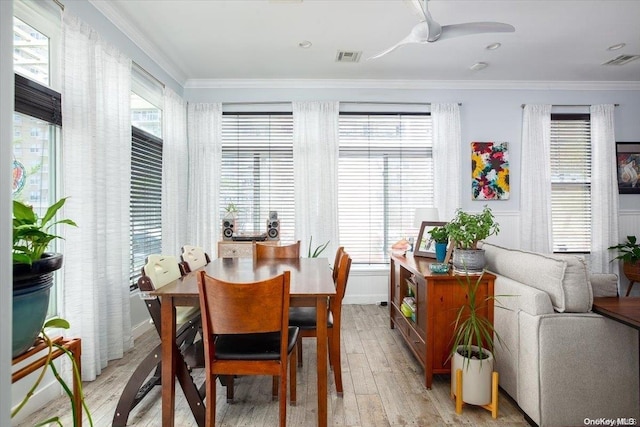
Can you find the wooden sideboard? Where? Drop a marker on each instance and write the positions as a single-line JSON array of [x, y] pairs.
[[236, 249], [438, 296]]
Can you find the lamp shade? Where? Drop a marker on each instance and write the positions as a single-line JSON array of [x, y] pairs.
[[425, 214]]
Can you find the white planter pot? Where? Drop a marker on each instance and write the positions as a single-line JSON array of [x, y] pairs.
[[476, 378]]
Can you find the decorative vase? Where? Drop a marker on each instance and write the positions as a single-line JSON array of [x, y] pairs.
[[470, 261], [31, 289], [476, 377], [441, 251]]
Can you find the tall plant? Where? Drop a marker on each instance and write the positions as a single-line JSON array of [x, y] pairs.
[[466, 229]]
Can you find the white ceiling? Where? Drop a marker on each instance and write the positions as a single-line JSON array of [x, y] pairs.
[[554, 41]]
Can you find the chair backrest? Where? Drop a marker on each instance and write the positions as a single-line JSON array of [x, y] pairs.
[[262, 251], [194, 257], [336, 262], [244, 308], [161, 269], [342, 276]]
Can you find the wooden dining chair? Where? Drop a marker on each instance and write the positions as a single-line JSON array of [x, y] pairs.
[[193, 258], [246, 332], [305, 319], [336, 263], [159, 271], [262, 251]]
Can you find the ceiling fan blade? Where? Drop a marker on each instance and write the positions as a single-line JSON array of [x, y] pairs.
[[417, 8], [419, 34], [469, 28]]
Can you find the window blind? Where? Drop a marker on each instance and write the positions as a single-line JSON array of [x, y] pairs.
[[146, 200], [385, 173], [257, 170], [571, 182]]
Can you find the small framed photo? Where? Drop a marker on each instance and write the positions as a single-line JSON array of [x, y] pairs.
[[628, 167], [425, 245]]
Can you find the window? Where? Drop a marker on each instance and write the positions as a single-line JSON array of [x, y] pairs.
[[257, 170], [146, 171], [30, 52], [385, 173], [571, 182]]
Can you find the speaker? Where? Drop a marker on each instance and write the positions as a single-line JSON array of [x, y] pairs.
[[228, 226], [273, 229]]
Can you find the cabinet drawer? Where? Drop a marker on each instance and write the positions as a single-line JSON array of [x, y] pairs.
[[400, 321], [418, 344], [235, 250]]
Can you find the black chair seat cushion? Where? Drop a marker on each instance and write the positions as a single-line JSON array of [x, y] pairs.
[[253, 346], [305, 317]]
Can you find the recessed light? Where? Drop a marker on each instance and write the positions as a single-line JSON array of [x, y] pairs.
[[617, 46], [305, 44], [493, 46], [479, 66]]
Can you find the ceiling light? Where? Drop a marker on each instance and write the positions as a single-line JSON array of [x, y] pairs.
[[617, 46], [479, 66], [305, 44], [493, 46]]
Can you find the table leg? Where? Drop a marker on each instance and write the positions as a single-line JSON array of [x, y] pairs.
[[168, 327], [322, 353]]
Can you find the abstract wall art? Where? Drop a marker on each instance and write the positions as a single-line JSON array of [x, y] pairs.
[[489, 171]]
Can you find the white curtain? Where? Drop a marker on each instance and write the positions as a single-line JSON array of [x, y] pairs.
[[315, 165], [535, 181], [204, 127], [96, 171], [447, 142], [604, 188], [175, 164]]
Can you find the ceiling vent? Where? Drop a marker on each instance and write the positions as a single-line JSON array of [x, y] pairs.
[[348, 56], [621, 60]]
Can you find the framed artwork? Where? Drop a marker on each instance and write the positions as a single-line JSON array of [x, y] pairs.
[[628, 167], [425, 246], [489, 171]]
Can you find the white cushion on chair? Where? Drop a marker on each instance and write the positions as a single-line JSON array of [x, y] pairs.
[[194, 257]]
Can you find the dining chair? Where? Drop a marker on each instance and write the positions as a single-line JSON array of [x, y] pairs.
[[262, 251], [246, 332], [159, 271], [305, 319], [336, 262], [193, 258]]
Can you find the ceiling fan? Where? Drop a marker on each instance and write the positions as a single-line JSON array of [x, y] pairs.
[[429, 31]]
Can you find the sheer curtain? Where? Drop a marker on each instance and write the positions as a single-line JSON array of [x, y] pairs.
[[535, 181], [604, 188], [204, 127], [446, 158], [315, 165], [96, 160], [175, 166]]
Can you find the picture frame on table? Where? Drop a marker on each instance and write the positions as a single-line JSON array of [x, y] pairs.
[[628, 167], [425, 246]]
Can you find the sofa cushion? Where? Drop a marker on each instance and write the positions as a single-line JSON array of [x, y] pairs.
[[563, 278]]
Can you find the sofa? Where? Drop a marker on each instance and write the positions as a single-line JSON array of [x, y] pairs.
[[561, 363]]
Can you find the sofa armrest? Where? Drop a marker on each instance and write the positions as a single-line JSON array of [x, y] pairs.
[[604, 284], [574, 366]]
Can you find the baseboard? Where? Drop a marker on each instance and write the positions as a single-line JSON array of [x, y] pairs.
[[141, 328]]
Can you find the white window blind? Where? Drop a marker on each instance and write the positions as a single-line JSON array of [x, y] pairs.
[[571, 182], [257, 170], [146, 200], [385, 173]]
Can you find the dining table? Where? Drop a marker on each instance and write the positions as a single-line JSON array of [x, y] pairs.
[[311, 285]]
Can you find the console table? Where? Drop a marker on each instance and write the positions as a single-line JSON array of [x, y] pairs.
[[428, 331]]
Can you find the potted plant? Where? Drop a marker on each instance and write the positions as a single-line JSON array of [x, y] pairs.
[[473, 348], [629, 254], [440, 235], [466, 230], [33, 270]]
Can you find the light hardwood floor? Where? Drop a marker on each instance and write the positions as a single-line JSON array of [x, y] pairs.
[[383, 386]]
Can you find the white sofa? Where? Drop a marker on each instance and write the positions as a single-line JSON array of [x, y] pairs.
[[561, 362]]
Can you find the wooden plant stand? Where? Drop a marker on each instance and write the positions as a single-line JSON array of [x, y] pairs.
[[73, 345], [491, 407]]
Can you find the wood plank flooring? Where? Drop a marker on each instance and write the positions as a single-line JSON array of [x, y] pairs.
[[383, 386]]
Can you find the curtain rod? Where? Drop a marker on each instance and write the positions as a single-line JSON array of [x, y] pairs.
[[570, 105], [341, 102], [59, 4]]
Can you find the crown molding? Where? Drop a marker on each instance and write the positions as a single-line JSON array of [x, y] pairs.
[[406, 84], [123, 24]]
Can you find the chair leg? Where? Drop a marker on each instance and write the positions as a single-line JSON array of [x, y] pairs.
[[335, 357], [283, 396], [274, 388], [629, 288], [210, 406], [292, 376], [299, 345]]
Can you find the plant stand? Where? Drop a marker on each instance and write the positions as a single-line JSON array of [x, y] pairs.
[[71, 344], [491, 407]]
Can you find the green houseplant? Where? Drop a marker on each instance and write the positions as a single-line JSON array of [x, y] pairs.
[[33, 270], [466, 230], [629, 254]]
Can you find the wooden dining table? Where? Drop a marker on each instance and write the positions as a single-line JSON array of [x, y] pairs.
[[311, 285]]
